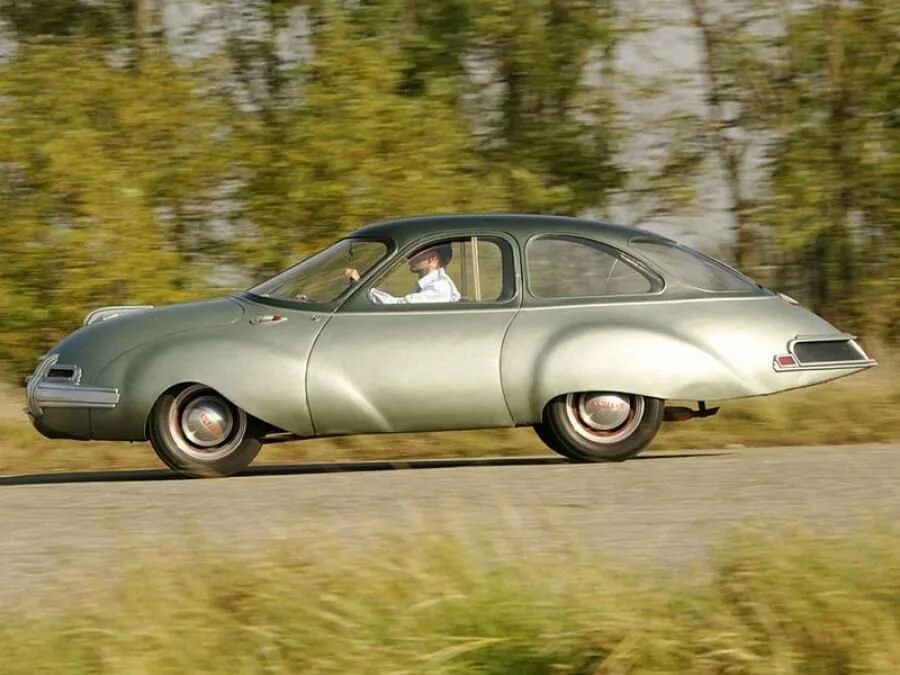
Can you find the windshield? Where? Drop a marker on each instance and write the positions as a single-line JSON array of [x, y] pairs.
[[320, 279]]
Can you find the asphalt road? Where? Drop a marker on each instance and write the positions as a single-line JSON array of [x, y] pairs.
[[660, 507]]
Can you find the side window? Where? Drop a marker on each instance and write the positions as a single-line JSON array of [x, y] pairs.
[[692, 267], [570, 267], [460, 270]]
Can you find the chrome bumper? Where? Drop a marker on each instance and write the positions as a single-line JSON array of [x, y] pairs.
[[43, 392]]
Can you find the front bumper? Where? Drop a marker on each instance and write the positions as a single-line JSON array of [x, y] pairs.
[[42, 391]]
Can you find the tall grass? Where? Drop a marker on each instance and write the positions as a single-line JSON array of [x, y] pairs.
[[447, 604]]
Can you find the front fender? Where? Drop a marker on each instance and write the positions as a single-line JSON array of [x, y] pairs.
[[262, 370]]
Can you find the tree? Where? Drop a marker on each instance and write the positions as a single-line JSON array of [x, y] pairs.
[[357, 149], [104, 176], [730, 72], [834, 164]]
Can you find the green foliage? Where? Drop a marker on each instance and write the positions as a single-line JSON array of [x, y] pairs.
[[103, 173], [357, 150], [823, 84], [66, 18], [457, 603]]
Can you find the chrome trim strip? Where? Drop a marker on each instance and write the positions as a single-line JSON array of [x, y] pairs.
[[825, 365], [42, 393], [53, 395], [74, 378], [825, 337], [268, 320], [104, 313], [36, 378], [864, 362], [788, 299]]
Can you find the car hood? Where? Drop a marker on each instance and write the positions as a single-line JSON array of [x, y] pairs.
[[92, 347]]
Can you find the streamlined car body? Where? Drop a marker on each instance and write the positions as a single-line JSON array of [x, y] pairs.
[[580, 329]]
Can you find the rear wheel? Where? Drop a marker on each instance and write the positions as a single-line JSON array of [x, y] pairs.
[[600, 426], [199, 433]]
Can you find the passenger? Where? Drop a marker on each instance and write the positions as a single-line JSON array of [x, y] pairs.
[[434, 284]]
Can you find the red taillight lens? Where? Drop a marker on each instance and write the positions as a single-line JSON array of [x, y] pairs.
[[786, 361]]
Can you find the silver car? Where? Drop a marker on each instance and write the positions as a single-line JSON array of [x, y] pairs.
[[579, 329]]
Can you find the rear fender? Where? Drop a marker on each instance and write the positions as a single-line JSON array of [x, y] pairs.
[[631, 360], [688, 350]]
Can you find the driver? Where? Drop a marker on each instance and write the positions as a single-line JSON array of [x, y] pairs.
[[434, 284]]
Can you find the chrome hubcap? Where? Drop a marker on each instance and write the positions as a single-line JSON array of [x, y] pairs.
[[204, 425], [604, 417], [206, 421], [603, 412]]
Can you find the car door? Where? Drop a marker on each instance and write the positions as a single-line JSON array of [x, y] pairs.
[[419, 366]]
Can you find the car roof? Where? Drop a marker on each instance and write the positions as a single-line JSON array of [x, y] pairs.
[[520, 226]]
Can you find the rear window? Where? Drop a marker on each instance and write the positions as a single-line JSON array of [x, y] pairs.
[[691, 267]]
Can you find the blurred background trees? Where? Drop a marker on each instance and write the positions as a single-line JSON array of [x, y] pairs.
[[159, 150]]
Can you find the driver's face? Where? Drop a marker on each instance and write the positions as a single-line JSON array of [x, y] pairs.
[[423, 263]]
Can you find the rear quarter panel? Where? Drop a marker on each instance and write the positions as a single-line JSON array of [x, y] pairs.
[[698, 349]]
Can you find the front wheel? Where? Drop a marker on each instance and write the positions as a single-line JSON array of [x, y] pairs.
[[199, 433], [600, 426]]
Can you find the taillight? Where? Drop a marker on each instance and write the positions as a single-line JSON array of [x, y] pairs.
[[786, 361]]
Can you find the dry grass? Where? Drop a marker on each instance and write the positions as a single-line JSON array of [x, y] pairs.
[[452, 604], [862, 408]]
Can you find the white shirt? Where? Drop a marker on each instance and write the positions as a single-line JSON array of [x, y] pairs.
[[436, 286]]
